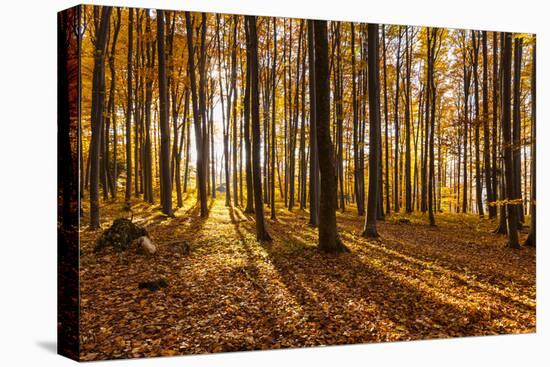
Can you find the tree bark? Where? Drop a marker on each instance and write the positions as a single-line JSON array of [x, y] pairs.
[[408, 48], [396, 187], [374, 131], [98, 98], [512, 210], [479, 187], [329, 240], [486, 134], [197, 115], [532, 237], [358, 188], [128, 191], [247, 144], [516, 130], [261, 231], [164, 126]]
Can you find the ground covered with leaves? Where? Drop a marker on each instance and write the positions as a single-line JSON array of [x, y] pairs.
[[232, 293]]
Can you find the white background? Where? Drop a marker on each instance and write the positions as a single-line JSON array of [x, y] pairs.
[[28, 182]]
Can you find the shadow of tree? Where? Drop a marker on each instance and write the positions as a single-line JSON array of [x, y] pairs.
[[404, 309]]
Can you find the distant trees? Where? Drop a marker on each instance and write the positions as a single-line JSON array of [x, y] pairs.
[[290, 107]]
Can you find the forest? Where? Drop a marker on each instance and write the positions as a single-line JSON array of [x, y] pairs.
[[295, 182]]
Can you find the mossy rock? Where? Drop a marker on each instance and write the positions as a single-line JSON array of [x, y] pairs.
[[120, 235]]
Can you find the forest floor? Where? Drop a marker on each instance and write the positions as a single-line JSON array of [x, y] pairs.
[[233, 293]]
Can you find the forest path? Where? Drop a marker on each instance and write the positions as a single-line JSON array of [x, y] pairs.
[[234, 293]]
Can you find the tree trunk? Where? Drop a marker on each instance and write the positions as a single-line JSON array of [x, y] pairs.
[[386, 118], [532, 237], [273, 116], [431, 101], [111, 116], [359, 195], [374, 131], [98, 98], [495, 83], [396, 187], [516, 130], [479, 187], [329, 240], [261, 231], [247, 144], [467, 78], [164, 126], [512, 210], [486, 134], [408, 48], [235, 116], [197, 115], [128, 191]]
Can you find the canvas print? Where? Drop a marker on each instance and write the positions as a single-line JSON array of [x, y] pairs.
[[239, 182]]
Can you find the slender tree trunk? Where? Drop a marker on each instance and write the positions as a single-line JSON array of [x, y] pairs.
[[235, 116], [356, 134], [247, 143], [273, 118], [432, 41], [532, 237], [386, 119], [396, 187], [261, 231], [303, 164], [197, 115], [516, 130], [187, 123], [408, 48], [138, 131], [495, 83], [478, 121], [313, 155], [486, 134], [164, 125], [467, 78], [98, 98], [374, 117], [512, 210], [128, 191], [111, 115], [147, 150]]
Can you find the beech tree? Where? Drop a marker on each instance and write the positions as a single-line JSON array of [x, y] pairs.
[[439, 149], [166, 182], [261, 231], [197, 112], [329, 240], [370, 229], [98, 107], [532, 237], [512, 211]]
